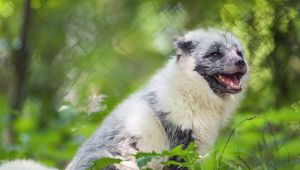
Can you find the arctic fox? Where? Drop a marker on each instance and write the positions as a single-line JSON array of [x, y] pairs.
[[188, 100]]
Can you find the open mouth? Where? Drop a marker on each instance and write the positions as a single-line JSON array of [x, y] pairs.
[[231, 82]]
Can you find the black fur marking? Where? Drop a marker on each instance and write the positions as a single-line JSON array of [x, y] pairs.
[[111, 167], [175, 167], [213, 48], [215, 86], [186, 46], [115, 151], [240, 53], [176, 135], [215, 52], [134, 145]]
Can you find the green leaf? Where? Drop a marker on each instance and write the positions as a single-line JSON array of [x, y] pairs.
[[170, 162], [144, 154], [104, 162], [144, 160]]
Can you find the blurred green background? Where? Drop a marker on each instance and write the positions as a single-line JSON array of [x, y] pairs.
[[65, 64]]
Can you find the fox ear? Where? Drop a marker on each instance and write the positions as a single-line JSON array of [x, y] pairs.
[[183, 46]]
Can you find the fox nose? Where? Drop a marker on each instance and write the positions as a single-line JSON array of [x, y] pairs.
[[240, 63]]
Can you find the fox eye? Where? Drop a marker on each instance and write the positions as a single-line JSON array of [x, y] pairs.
[[216, 54], [239, 53]]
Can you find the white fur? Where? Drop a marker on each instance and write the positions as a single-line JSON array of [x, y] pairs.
[[24, 165]]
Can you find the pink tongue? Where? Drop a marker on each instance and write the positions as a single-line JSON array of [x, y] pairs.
[[232, 81]]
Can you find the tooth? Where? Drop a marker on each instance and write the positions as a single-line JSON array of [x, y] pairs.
[[221, 77]]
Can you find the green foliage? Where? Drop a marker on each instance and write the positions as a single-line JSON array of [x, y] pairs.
[[265, 142], [189, 155], [104, 162]]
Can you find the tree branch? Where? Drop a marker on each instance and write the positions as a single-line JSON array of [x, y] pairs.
[[20, 58]]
